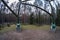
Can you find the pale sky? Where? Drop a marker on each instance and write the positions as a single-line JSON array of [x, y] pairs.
[[30, 1], [11, 1]]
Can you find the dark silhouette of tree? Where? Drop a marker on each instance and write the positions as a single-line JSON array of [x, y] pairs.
[[31, 18]]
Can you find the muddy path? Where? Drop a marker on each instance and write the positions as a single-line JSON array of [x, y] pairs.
[[30, 35]]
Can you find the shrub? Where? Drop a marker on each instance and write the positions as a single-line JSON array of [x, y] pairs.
[[0, 27], [8, 25], [31, 18]]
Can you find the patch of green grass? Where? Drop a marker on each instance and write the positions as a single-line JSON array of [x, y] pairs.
[[35, 27], [27, 27], [58, 27], [12, 27]]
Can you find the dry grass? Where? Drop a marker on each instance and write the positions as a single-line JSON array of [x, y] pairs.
[[29, 27]]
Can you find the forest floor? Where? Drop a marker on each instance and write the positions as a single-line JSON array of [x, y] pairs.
[[29, 34]]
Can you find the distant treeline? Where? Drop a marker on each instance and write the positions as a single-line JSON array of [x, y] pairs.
[[26, 19]]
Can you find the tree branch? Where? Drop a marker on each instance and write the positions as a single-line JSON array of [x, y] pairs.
[[37, 7], [9, 8]]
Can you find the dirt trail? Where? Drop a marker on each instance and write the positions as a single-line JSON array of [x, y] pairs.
[[31, 35]]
